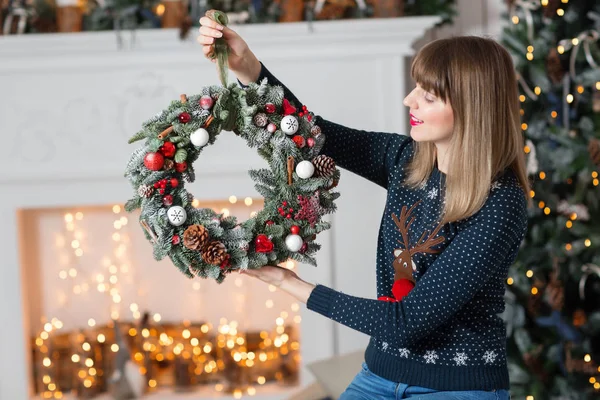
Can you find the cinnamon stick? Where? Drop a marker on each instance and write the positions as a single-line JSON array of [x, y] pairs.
[[166, 132], [209, 121], [183, 98], [290, 169]]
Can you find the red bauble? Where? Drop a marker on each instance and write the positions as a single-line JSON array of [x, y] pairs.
[[168, 149], [270, 108], [269, 223], [303, 248], [299, 140], [176, 239], [180, 166], [206, 102], [154, 161], [401, 288], [263, 244], [184, 118], [168, 200], [295, 229], [174, 182]]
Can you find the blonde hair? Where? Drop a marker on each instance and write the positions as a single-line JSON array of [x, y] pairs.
[[476, 76]]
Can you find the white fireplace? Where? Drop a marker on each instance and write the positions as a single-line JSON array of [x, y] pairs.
[[70, 101]]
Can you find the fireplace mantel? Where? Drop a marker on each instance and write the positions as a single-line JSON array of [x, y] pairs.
[[70, 101]]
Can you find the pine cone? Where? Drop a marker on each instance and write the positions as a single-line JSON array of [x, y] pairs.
[[261, 120], [594, 149], [554, 66], [334, 184], [169, 164], [214, 252], [315, 130], [195, 237], [556, 295], [579, 318], [145, 191], [324, 165]]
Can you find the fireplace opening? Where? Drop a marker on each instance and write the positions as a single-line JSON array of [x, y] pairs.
[[106, 318]]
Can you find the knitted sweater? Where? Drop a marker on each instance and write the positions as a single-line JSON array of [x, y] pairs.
[[446, 334]]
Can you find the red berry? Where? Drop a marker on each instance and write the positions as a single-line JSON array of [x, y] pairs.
[[168, 149], [161, 191], [174, 182], [269, 222], [156, 185], [270, 108], [184, 118], [280, 209], [295, 229], [154, 161], [291, 210], [176, 239], [288, 216], [284, 203], [180, 167], [162, 183]]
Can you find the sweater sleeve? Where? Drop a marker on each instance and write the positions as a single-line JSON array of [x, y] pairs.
[[370, 155], [488, 242]]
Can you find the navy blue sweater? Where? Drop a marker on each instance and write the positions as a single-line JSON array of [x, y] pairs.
[[446, 334]]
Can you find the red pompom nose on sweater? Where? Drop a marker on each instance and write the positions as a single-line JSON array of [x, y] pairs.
[[400, 289]]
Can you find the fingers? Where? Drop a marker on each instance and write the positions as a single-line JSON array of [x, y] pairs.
[[205, 39], [210, 32], [207, 49], [205, 21]]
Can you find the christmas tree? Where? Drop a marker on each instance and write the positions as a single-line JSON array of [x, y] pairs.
[[553, 296]]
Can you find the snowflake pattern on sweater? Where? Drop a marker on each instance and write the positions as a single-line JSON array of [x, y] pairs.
[[446, 334]]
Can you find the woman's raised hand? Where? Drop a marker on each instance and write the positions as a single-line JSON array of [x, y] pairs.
[[242, 62]]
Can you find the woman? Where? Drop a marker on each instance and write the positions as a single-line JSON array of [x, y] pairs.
[[455, 216]]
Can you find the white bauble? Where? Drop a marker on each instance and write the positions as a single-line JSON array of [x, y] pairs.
[[293, 242], [305, 169], [176, 215], [200, 137], [289, 125]]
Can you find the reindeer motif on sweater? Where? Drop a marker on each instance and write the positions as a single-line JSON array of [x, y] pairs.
[[404, 264]]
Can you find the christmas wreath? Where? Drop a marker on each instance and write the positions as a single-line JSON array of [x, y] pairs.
[[297, 186]]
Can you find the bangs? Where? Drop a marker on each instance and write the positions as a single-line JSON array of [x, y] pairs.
[[430, 69]]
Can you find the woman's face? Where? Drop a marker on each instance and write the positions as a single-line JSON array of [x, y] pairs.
[[431, 119]]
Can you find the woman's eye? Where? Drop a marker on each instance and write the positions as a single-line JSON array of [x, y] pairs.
[[429, 99]]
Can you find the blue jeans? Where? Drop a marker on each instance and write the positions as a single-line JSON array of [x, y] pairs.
[[368, 386]]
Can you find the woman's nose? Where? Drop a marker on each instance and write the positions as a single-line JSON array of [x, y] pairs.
[[407, 100]]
